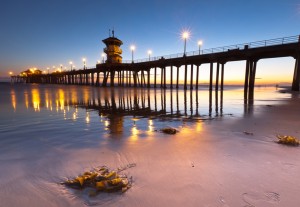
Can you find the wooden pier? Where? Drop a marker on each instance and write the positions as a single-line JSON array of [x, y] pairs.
[[137, 73]]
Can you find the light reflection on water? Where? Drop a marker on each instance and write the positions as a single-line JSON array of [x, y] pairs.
[[116, 108]]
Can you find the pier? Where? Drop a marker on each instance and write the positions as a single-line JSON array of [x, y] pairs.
[[137, 73]]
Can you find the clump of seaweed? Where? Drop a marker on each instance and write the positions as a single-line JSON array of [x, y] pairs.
[[288, 140], [169, 130], [101, 180]]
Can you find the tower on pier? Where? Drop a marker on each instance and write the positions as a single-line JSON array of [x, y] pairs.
[[113, 50]]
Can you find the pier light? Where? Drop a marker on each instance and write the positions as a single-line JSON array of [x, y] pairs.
[[132, 48], [149, 53], [10, 73], [71, 64], [84, 63], [200, 44], [185, 36], [102, 55]]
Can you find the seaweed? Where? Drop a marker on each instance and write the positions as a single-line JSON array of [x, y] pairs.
[[169, 130], [288, 140], [101, 180]]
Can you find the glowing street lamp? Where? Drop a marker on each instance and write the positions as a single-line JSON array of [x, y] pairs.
[[71, 63], [132, 48], [185, 36], [10, 73], [200, 44], [84, 62], [149, 53]]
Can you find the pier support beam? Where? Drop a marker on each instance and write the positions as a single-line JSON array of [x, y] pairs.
[[161, 76], [211, 76], [135, 77], [252, 80], [165, 84], [171, 79], [130, 78], [148, 77], [296, 77], [197, 77], [249, 81], [222, 77], [185, 77], [97, 79], [177, 79], [155, 77], [246, 83], [192, 71], [112, 78]]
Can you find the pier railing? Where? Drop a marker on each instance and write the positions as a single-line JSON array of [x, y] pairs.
[[249, 45], [262, 43]]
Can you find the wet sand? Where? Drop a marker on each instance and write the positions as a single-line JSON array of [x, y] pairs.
[[219, 165], [208, 163]]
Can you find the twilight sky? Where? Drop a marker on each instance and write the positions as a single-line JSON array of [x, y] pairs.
[[47, 33]]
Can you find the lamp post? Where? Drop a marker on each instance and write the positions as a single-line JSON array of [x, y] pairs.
[[103, 55], [149, 53], [132, 48], [61, 67], [48, 70], [71, 63], [84, 66], [200, 44], [185, 36]]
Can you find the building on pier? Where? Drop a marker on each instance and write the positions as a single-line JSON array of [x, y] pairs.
[[113, 50]]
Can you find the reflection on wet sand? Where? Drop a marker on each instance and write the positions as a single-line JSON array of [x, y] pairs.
[[116, 103]]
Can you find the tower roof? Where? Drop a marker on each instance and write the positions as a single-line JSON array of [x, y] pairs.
[[112, 41]]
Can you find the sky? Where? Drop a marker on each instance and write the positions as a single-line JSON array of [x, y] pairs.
[[47, 33]]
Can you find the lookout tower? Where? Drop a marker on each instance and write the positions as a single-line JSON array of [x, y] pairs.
[[113, 50]]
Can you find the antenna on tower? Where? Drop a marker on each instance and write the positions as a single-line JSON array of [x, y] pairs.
[[113, 32]]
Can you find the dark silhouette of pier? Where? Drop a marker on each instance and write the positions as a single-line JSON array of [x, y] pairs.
[[137, 73]]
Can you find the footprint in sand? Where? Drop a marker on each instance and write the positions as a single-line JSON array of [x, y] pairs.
[[222, 202], [256, 199]]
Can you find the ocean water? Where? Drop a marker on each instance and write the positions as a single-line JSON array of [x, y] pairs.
[[51, 132]]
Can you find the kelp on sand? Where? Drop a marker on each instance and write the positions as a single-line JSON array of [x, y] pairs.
[[101, 179], [288, 140]]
